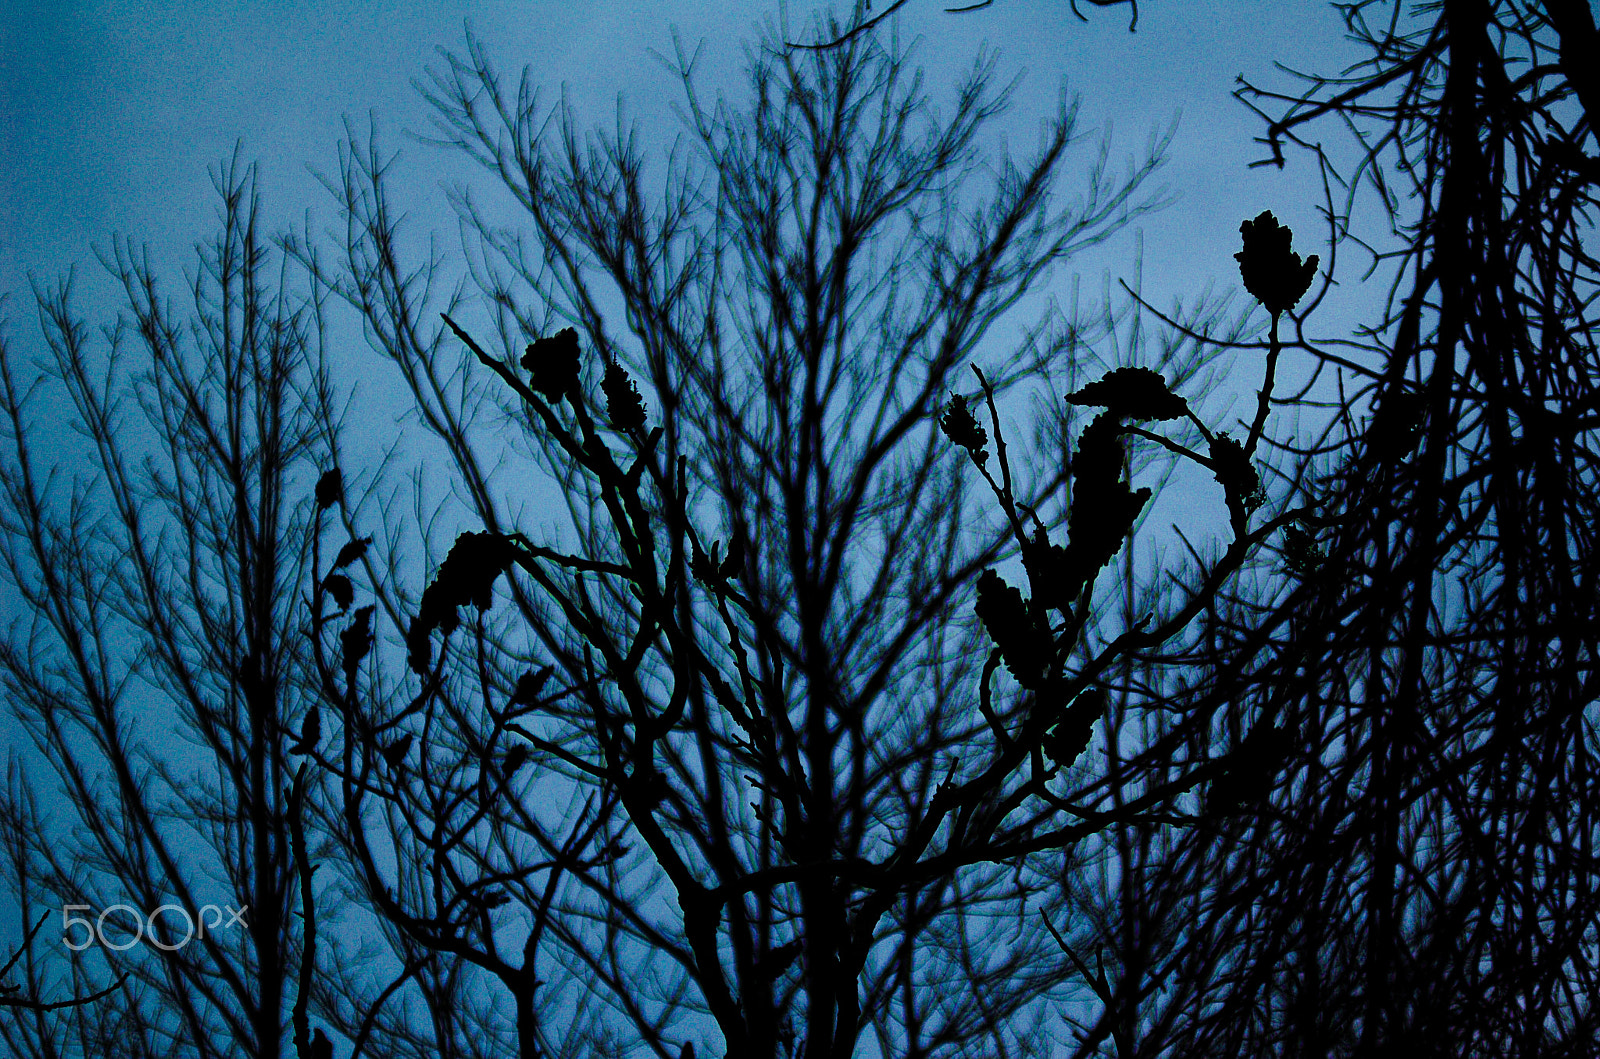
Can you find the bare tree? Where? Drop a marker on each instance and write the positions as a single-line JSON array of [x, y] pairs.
[[864, 19], [751, 669], [1419, 878], [158, 569]]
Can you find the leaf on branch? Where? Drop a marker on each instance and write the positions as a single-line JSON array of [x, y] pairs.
[[330, 489], [712, 571], [1132, 393], [1271, 271], [553, 362], [339, 587], [963, 428], [310, 732], [1301, 554], [394, 754], [355, 642], [467, 575], [351, 552], [515, 758], [1075, 731], [492, 897], [733, 565], [1231, 467], [1251, 770], [624, 406], [529, 685], [1023, 646]]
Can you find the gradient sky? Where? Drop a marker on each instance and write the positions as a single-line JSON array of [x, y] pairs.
[[113, 112], [116, 112]]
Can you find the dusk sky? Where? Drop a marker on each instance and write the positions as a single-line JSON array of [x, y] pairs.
[[114, 112]]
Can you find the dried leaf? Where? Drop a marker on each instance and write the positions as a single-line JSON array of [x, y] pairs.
[[1270, 269], [963, 428], [553, 362], [529, 685], [1132, 393], [351, 552], [339, 587], [355, 642], [624, 406], [330, 489], [395, 753]]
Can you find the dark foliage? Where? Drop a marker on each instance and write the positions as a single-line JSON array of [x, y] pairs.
[[624, 406], [1272, 272], [554, 364]]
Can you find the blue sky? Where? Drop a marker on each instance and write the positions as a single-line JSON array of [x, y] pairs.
[[115, 111]]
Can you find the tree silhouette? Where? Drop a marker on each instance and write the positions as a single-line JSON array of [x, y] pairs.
[[820, 632], [158, 572], [1418, 878], [754, 672]]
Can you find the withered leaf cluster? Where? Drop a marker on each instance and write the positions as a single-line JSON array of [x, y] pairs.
[[1271, 271], [553, 363], [1301, 553], [1024, 644], [963, 428], [467, 575], [1231, 466], [1104, 505], [1132, 393], [624, 407]]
